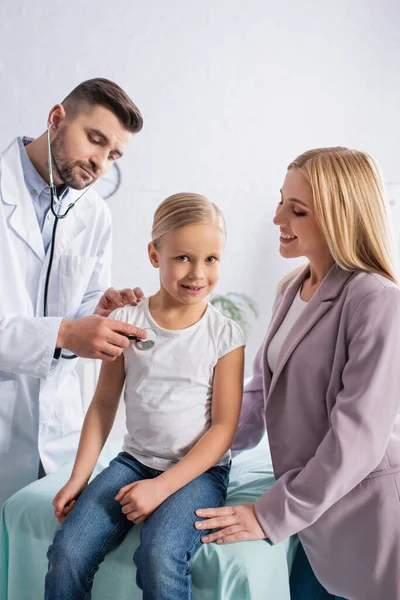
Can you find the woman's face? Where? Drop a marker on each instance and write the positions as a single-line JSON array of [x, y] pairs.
[[300, 232]]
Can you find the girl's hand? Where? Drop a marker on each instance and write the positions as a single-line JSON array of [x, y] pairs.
[[235, 523], [65, 499], [141, 498]]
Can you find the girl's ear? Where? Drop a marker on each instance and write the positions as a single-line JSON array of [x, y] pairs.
[[153, 255]]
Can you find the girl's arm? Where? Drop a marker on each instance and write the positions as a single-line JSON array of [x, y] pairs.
[[96, 427], [141, 498], [99, 418]]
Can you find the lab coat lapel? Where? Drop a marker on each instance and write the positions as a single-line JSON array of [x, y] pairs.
[[316, 308], [23, 219]]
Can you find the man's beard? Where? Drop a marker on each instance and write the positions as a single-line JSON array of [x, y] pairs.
[[65, 168]]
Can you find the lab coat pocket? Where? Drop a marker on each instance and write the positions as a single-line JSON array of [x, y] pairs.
[[7, 407], [74, 277]]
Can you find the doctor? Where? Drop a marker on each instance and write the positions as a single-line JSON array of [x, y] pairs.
[[40, 403]]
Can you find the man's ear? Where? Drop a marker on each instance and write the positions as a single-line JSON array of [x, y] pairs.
[[153, 255], [56, 116]]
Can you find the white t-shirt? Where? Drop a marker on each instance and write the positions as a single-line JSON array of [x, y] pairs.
[[168, 389], [275, 345]]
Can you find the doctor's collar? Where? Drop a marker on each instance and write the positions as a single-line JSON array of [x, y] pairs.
[[33, 180]]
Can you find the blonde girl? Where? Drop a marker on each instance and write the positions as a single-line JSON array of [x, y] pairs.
[[182, 400]]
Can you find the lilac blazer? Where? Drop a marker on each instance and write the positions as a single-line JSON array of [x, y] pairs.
[[332, 415]]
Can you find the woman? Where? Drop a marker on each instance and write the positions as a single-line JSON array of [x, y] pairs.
[[327, 383]]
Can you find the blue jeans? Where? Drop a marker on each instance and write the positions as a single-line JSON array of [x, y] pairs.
[[303, 583], [96, 525]]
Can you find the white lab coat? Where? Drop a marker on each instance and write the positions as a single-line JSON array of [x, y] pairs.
[[41, 409]]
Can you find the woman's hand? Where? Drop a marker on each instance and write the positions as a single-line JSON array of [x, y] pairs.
[[140, 498], [235, 523], [65, 499]]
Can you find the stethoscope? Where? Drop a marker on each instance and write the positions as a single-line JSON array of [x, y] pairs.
[[146, 344], [55, 206]]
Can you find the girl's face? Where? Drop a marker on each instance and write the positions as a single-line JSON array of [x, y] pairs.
[[300, 232], [189, 260]]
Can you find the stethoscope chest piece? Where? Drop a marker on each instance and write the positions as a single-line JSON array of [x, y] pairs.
[[146, 344]]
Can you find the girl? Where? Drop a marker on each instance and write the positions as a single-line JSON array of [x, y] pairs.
[[182, 399], [327, 381]]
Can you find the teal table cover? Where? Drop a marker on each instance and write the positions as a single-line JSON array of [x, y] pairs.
[[242, 571]]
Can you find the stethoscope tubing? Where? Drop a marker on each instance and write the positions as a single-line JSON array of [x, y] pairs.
[[139, 343]]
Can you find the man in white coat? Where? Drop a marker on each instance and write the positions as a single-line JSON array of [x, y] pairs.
[[41, 410]]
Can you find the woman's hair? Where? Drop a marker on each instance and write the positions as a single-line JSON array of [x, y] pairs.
[[108, 94], [350, 208], [184, 209]]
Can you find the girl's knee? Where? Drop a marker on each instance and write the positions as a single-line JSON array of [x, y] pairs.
[[62, 551], [159, 555]]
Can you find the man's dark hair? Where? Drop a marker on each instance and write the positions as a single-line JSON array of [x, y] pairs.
[[105, 93]]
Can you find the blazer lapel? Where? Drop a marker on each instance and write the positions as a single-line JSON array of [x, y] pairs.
[[316, 308], [277, 318]]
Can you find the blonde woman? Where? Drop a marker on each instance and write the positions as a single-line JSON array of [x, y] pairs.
[[183, 399], [327, 384]]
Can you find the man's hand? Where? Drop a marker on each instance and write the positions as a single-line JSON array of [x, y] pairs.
[[96, 337], [235, 524], [141, 498], [65, 499], [112, 299]]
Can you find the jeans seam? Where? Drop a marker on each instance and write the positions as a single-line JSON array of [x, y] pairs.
[[189, 563], [97, 562], [198, 537]]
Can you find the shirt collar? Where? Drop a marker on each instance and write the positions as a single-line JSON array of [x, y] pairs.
[[33, 180]]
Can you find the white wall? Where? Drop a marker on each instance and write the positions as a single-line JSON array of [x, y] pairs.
[[231, 91]]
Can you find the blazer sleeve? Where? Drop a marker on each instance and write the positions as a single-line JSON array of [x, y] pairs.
[[252, 425], [361, 422]]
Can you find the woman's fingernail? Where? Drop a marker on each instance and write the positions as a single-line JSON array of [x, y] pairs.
[[204, 538], [199, 512], [199, 524], [220, 541]]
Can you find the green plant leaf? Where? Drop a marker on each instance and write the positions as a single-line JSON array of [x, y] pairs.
[[235, 306]]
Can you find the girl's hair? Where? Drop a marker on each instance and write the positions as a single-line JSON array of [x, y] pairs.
[[184, 209], [350, 208]]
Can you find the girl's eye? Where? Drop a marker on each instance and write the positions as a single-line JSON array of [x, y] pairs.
[[211, 259], [182, 258], [280, 203]]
